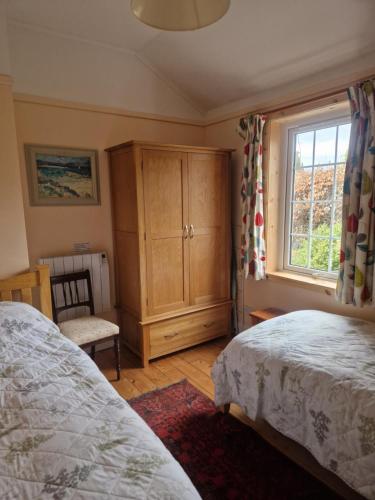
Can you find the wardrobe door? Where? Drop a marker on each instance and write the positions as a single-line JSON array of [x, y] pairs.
[[208, 227], [167, 248]]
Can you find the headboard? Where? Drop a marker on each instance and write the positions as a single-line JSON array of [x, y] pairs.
[[19, 288]]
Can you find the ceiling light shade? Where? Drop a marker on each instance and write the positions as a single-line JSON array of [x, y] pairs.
[[179, 15]]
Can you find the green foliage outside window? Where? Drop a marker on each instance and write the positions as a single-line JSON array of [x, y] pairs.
[[319, 249]]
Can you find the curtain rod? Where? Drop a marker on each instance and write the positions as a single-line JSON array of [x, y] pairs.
[[302, 102], [333, 93], [268, 113]]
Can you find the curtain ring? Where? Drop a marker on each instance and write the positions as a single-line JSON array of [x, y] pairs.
[[243, 124]]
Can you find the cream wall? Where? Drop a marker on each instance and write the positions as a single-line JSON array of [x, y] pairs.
[[13, 245], [54, 230], [268, 293]]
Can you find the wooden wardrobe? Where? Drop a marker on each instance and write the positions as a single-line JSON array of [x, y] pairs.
[[171, 222]]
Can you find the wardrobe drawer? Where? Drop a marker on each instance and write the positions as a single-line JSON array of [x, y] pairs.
[[177, 333]]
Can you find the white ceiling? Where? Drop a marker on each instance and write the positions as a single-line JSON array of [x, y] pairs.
[[258, 45]]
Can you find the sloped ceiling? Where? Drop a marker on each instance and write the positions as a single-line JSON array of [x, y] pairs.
[[257, 46]]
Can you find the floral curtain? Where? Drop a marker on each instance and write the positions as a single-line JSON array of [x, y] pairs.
[[356, 277], [253, 246]]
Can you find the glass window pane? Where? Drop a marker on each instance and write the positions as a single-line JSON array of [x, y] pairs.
[[316, 200], [335, 255], [300, 218], [302, 184], [325, 145], [337, 219], [340, 175], [323, 182], [319, 254], [321, 223], [304, 150], [343, 142], [298, 251]]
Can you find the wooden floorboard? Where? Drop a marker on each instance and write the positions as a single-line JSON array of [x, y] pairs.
[[195, 365]]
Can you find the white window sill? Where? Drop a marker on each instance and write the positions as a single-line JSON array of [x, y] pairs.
[[317, 284]]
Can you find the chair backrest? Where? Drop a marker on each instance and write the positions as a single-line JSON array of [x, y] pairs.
[[71, 297]]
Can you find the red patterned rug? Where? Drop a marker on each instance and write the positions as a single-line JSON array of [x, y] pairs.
[[224, 458]]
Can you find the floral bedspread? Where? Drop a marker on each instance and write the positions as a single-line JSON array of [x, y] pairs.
[[65, 433], [311, 375]]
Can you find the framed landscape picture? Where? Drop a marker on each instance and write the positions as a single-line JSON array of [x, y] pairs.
[[62, 176]]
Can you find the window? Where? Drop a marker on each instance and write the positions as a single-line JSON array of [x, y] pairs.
[[316, 167]]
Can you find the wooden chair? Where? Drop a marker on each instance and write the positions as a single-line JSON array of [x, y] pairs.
[[85, 331]]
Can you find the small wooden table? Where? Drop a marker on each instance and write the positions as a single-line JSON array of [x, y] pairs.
[[265, 314]]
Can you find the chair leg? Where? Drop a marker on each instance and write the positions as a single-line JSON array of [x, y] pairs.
[[225, 408], [93, 352], [116, 346]]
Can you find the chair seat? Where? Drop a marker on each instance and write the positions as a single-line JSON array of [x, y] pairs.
[[87, 329]]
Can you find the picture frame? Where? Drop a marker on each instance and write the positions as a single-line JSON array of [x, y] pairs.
[[62, 176]]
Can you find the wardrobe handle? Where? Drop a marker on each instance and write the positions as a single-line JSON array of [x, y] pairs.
[[191, 231], [185, 232], [207, 325]]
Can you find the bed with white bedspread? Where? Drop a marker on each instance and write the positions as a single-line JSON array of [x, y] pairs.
[[65, 433], [311, 375]]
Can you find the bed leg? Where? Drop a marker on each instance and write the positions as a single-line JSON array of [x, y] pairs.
[[225, 408]]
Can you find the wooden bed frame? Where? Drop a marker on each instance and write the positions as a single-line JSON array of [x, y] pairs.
[[19, 288], [294, 451]]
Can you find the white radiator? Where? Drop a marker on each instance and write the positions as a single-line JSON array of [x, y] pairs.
[[97, 264]]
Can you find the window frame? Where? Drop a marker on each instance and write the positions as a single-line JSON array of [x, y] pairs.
[[290, 138]]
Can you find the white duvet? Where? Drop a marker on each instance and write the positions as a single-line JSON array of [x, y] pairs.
[[65, 433], [311, 375]]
